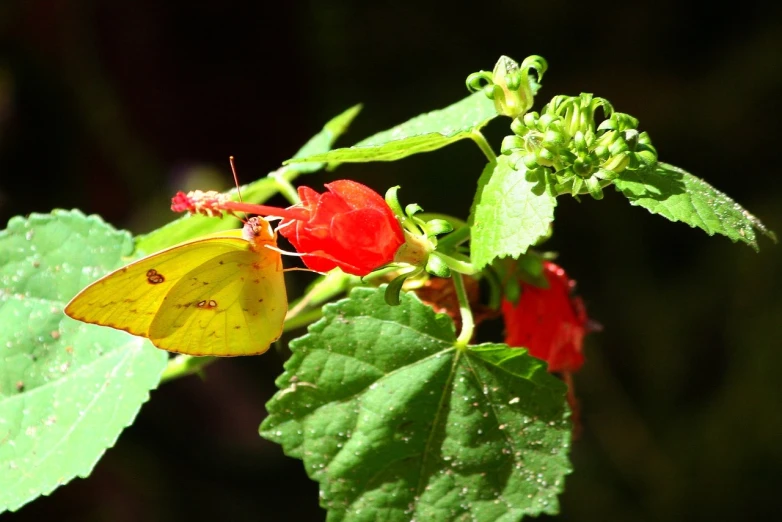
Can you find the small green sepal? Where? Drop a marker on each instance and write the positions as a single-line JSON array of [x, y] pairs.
[[436, 266], [393, 289], [392, 200], [412, 209], [435, 227]]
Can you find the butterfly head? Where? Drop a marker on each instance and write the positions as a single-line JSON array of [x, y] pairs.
[[259, 232]]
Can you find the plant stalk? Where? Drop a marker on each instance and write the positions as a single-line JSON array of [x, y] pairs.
[[468, 325]]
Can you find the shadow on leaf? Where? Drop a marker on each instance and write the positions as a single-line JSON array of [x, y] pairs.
[[658, 183]]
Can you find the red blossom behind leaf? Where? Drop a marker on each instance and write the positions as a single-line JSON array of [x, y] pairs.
[[548, 321]]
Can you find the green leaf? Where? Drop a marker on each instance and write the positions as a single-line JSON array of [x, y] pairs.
[[511, 214], [424, 133], [679, 196], [191, 226], [397, 424], [483, 180], [67, 389], [323, 141]]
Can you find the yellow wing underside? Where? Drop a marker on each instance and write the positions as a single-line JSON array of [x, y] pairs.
[[212, 296]]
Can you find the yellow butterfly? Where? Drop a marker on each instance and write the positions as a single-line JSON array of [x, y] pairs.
[[222, 294]]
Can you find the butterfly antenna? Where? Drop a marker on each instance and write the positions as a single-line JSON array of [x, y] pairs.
[[236, 178], [236, 181]]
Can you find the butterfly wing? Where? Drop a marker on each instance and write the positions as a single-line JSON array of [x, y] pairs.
[[148, 298], [233, 304]]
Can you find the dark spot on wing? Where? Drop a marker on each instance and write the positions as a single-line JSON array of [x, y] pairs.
[[154, 278]]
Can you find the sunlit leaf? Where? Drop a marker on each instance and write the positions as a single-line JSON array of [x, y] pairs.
[[510, 214], [67, 389], [424, 133], [679, 196], [397, 423]]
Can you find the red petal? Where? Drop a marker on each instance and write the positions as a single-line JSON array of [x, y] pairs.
[[356, 195], [303, 243], [326, 208], [364, 238], [309, 197]]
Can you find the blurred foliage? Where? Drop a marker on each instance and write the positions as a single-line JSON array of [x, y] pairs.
[[112, 106]]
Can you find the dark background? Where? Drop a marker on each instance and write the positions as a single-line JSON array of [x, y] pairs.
[[112, 106]]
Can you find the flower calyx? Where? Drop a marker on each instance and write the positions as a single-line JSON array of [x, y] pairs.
[[420, 244], [419, 254]]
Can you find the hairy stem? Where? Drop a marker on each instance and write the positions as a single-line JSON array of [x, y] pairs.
[[480, 140]]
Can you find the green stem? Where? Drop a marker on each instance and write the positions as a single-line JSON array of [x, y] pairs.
[[455, 221], [302, 319], [463, 266], [480, 140], [184, 365], [495, 288], [285, 186], [468, 326], [454, 239]]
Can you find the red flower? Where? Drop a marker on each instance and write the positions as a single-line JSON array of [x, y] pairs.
[[351, 226], [548, 321]]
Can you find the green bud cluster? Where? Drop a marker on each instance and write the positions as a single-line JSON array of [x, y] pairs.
[[510, 85], [566, 145]]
